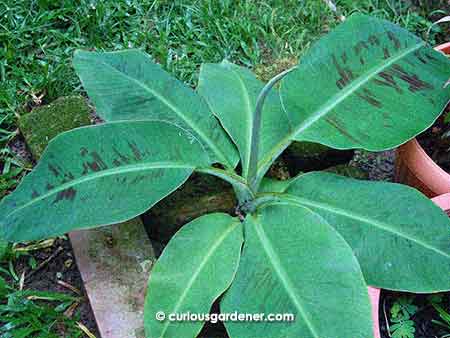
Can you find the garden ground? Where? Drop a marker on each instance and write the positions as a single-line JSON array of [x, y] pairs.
[[37, 40]]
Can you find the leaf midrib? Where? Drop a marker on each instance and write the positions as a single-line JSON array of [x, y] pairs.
[[282, 275], [335, 100], [356, 216], [103, 173], [197, 272], [171, 106]]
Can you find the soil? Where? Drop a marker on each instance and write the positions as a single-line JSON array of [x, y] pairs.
[[436, 141]]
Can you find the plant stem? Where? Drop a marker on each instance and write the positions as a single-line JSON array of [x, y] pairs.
[[263, 198], [256, 131], [242, 190]]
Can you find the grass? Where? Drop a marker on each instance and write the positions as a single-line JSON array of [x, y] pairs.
[[30, 313], [38, 37]]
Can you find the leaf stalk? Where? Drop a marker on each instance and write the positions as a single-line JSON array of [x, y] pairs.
[[256, 131]]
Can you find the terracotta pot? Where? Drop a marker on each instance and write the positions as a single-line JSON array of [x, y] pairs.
[[443, 201], [415, 168]]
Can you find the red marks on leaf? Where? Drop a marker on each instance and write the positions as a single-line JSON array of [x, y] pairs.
[[136, 152], [395, 41], [66, 194], [95, 165], [388, 80], [369, 97], [53, 170], [336, 124], [360, 46], [346, 76], [386, 53], [430, 57], [121, 158], [373, 40], [420, 57], [415, 84]]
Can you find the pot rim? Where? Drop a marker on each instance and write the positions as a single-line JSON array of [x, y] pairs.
[[422, 164]]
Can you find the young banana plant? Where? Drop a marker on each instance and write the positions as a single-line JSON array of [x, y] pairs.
[[308, 246]]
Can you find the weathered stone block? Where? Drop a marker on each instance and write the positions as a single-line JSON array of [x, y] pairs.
[[44, 123]]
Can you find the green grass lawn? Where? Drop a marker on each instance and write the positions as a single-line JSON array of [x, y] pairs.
[[38, 38]]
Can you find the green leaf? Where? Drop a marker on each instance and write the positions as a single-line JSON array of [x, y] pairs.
[[273, 185], [400, 237], [232, 91], [369, 71], [287, 268], [404, 329], [196, 267], [128, 85], [100, 175]]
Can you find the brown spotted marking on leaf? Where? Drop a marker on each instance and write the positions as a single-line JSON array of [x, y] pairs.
[[68, 176], [346, 75], [394, 39], [388, 80], [420, 57], [116, 163], [83, 151], [430, 57], [50, 186], [335, 123], [359, 46], [361, 60], [369, 97], [136, 152], [121, 180], [121, 158], [97, 164], [54, 170], [386, 53], [415, 84], [35, 194], [66, 194], [386, 120], [344, 57], [373, 40]]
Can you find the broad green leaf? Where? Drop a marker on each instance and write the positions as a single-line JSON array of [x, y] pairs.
[[273, 185], [195, 268], [232, 91], [294, 262], [369, 71], [128, 85], [401, 239], [368, 84], [100, 175]]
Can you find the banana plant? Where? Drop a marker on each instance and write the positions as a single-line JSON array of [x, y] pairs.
[[308, 246]]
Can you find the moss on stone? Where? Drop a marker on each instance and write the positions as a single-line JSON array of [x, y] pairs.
[[44, 123]]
